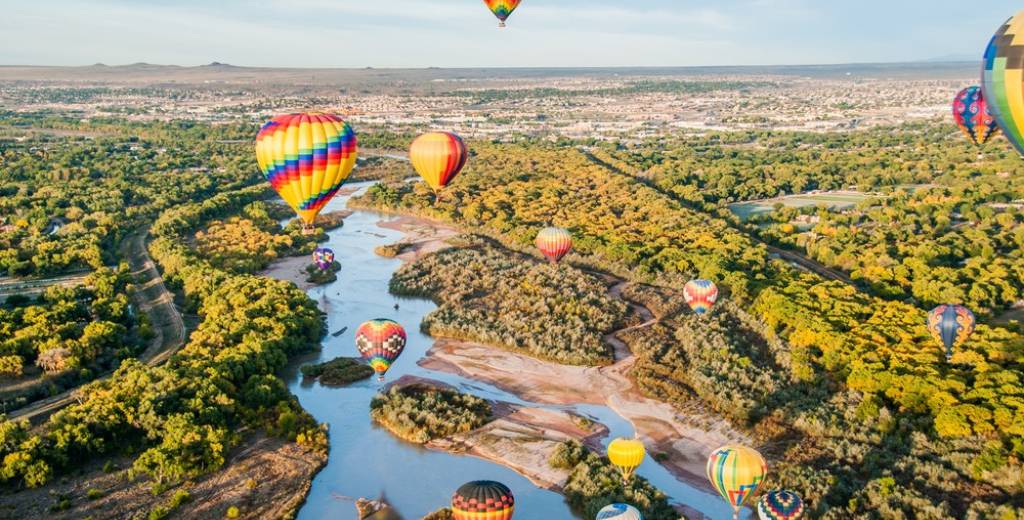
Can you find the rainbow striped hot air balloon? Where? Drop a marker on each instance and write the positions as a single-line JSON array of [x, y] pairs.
[[323, 258], [780, 505], [1002, 79], [502, 9], [306, 158], [972, 116], [380, 342], [700, 295], [619, 512], [483, 500], [438, 157], [951, 325], [554, 243], [736, 472], [627, 455]]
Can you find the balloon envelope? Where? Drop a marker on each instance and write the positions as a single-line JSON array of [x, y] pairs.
[[619, 512], [736, 472], [502, 9], [323, 258], [483, 500], [950, 325], [554, 243], [627, 455], [306, 158], [972, 116], [700, 295], [380, 342], [438, 157], [780, 505], [1001, 80]]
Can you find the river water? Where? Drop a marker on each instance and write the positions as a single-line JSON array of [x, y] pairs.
[[367, 461]]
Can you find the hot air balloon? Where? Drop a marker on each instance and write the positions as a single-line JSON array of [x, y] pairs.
[[1001, 81], [483, 500], [973, 117], [736, 472], [626, 454], [502, 9], [554, 243], [438, 157], [380, 342], [306, 158], [780, 505], [950, 325], [700, 295], [619, 512], [323, 258]]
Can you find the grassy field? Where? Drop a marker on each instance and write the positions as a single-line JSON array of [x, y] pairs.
[[832, 199]]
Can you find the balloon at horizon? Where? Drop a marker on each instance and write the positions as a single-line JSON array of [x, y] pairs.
[[502, 9], [973, 117], [1003, 79], [306, 158]]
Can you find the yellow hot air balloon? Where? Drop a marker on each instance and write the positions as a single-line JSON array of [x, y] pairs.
[[306, 158], [626, 454], [438, 157], [736, 472]]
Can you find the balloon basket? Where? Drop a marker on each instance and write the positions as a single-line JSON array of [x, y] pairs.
[[308, 230], [501, 25]]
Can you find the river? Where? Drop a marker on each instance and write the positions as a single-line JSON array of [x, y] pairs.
[[366, 460]]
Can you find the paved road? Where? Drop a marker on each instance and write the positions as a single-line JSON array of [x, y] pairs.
[[149, 295]]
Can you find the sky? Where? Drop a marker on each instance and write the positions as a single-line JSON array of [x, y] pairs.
[[463, 33]]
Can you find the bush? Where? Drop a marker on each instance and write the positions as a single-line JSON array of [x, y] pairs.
[[338, 371], [419, 413]]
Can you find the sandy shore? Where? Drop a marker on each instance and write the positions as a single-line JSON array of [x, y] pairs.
[[290, 269], [422, 236], [686, 439]]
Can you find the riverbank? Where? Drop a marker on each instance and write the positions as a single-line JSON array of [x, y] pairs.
[[264, 477], [681, 441]]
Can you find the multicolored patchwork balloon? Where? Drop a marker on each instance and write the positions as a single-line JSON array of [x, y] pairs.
[[1002, 81], [438, 157], [306, 158], [736, 472], [700, 295], [323, 258], [483, 500], [380, 342], [554, 243], [619, 512], [780, 505], [951, 325], [972, 116], [627, 455], [502, 9]]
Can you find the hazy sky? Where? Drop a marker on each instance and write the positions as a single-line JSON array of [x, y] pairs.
[[462, 33]]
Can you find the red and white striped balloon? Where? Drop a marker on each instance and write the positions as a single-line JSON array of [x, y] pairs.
[[554, 243]]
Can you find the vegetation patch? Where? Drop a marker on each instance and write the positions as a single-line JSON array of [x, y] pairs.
[[491, 295], [338, 371], [594, 483], [420, 413]]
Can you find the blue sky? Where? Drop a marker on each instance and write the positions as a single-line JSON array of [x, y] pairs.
[[462, 33]]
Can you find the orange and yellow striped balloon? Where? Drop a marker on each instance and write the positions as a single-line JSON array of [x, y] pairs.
[[554, 243], [627, 455], [306, 158], [438, 157]]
